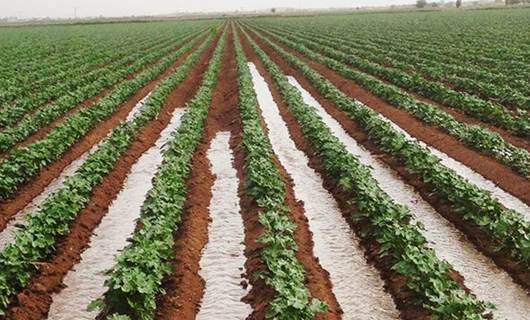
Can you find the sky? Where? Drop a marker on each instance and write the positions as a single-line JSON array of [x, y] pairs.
[[112, 8]]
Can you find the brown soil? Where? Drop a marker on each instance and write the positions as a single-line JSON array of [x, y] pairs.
[[10, 207], [34, 301], [490, 168], [481, 240]]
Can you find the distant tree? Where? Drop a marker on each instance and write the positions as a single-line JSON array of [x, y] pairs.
[[421, 3], [273, 10], [458, 3]]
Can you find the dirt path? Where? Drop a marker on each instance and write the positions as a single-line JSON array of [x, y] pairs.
[[184, 288]]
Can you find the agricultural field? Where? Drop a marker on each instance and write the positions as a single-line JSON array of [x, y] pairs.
[[355, 166]]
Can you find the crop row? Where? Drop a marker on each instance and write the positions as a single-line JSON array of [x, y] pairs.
[[32, 123], [501, 49], [471, 105], [68, 46], [506, 83], [265, 186], [25, 47], [14, 94], [31, 65], [399, 43], [507, 229], [68, 79], [83, 86], [23, 163], [427, 277], [136, 279], [475, 136], [513, 60], [24, 76], [39, 237], [429, 69], [461, 77]]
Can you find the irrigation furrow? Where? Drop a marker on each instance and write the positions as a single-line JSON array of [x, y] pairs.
[[356, 284], [85, 283], [222, 261], [487, 281]]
